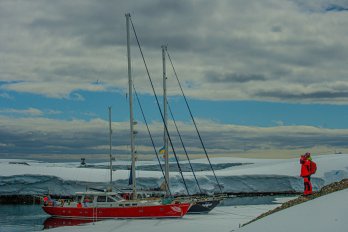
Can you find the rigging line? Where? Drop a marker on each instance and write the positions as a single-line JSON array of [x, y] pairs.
[[194, 122], [153, 144], [182, 143], [159, 108]]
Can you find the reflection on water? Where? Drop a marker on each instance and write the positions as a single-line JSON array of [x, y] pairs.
[[53, 222], [23, 218], [20, 218]]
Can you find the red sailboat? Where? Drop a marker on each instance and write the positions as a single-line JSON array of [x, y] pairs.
[[102, 205]]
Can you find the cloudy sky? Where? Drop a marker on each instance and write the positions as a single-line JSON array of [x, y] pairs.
[[262, 77]]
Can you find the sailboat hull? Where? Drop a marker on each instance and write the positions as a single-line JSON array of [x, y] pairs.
[[202, 207], [152, 211]]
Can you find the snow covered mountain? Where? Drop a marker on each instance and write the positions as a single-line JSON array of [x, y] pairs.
[[235, 174]]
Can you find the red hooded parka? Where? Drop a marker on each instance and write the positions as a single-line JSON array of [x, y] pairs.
[[305, 166]]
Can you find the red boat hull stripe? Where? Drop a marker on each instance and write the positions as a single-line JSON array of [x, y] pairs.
[[157, 211]]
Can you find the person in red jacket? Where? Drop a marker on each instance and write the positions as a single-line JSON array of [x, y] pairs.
[[305, 162]]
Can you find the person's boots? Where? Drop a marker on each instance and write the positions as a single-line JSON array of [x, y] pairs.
[[307, 187]]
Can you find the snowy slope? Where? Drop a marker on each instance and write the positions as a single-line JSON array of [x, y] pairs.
[[327, 213]]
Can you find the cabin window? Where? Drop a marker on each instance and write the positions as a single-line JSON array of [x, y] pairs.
[[110, 199], [117, 197], [78, 198], [88, 199], [101, 199]]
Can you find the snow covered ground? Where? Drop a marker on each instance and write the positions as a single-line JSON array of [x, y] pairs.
[[257, 175], [323, 214], [327, 213]]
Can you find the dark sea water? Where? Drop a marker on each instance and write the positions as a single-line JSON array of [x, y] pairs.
[[18, 218]]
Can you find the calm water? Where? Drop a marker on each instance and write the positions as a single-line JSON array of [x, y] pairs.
[[18, 218]]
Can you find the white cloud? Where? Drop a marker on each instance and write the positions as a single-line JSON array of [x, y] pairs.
[[54, 49], [279, 123], [28, 112], [54, 112], [38, 135], [6, 96], [53, 89]]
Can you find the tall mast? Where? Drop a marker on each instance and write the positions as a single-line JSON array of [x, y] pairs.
[[131, 121], [165, 115], [110, 132]]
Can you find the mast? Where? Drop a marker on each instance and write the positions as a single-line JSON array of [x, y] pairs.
[[131, 120], [165, 115], [110, 132]]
